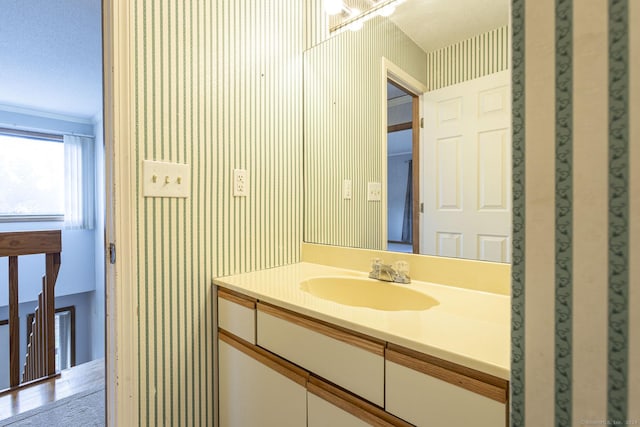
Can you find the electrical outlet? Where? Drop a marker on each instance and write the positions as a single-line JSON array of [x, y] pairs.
[[240, 183], [374, 191], [164, 179], [346, 189]]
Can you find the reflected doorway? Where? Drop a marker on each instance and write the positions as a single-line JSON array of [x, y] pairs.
[[403, 204]]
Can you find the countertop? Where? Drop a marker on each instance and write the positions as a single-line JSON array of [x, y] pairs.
[[468, 327]]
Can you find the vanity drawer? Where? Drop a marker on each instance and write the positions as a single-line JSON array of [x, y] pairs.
[[346, 359], [428, 391], [329, 406], [237, 314]]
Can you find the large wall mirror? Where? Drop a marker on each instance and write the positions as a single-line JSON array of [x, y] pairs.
[[407, 132]]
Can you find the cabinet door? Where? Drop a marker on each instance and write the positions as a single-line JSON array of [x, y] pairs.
[[426, 394], [254, 390], [325, 414]]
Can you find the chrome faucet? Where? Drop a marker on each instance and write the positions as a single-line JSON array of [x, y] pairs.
[[398, 273]]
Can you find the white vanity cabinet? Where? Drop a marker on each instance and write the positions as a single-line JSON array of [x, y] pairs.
[[257, 389], [344, 358], [427, 391], [280, 368]]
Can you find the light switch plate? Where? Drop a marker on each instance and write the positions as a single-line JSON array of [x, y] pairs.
[[374, 191], [164, 179], [240, 183], [346, 189]]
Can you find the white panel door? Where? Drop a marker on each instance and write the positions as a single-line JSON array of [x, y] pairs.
[[466, 188]]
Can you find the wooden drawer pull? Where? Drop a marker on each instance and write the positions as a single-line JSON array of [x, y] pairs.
[[492, 391], [285, 368], [237, 298]]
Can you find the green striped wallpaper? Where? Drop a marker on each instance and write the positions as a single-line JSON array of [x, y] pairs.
[[575, 275], [484, 54], [217, 85], [343, 119]]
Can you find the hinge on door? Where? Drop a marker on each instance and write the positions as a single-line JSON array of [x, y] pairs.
[[422, 122], [112, 253], [421, 207]]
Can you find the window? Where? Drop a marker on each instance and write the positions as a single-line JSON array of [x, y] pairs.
[[47, 177], [65, 330], [32, 176]]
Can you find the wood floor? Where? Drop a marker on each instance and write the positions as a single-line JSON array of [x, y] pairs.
[[78, 379]]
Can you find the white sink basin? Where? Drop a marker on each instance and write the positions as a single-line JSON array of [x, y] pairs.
[[364, 292]]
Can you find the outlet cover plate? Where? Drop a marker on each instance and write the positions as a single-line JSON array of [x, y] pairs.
[[240, 183], [346, 189]]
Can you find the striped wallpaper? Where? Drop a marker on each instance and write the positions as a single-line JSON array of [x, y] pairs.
[[576, 219], [316, 23], [342, 140], [484, 54], [216, 85]]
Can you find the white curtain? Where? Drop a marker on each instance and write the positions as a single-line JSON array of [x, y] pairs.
[[79, 182]]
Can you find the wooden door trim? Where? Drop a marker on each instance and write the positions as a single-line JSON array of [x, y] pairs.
[[415, 176]]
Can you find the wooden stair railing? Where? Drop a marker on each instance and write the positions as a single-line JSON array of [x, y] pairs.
[[40, 360]]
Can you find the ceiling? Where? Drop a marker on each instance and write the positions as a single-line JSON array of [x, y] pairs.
[[434, 24], [51, 56]]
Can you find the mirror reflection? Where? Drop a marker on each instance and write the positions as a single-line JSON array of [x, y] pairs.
[[407, 132]]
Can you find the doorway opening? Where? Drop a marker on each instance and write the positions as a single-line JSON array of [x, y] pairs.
[[51, 98], [403, 169]]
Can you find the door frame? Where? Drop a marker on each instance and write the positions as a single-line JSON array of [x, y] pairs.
[[416, 89], [121, 363]]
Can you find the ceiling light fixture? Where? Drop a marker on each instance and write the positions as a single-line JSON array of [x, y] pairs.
[[356, 19]]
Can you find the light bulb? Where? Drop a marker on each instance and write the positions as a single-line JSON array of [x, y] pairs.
[[333, 7], [387, 10]]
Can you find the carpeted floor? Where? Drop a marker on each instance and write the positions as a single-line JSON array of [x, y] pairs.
[[83, 409]]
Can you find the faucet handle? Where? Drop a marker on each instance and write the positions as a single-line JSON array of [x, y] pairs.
[[376, 265], [402, 271]]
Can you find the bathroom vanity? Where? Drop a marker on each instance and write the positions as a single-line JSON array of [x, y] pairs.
[[288, 354]]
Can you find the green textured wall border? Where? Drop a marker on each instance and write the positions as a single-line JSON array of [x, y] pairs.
[[563, 211], [517, 384], [618, 346]]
